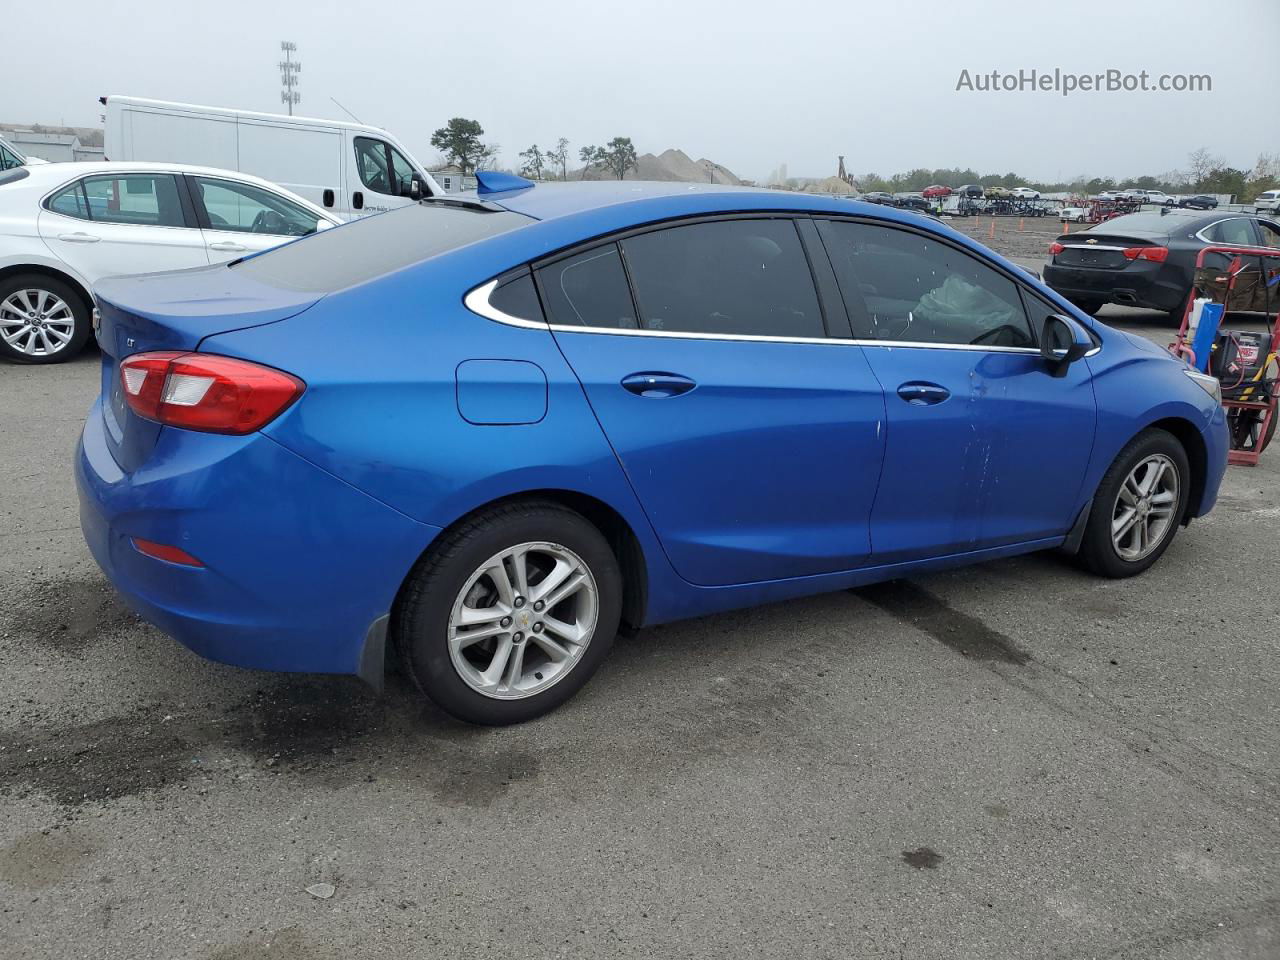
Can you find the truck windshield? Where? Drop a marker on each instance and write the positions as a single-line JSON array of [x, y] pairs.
[[373, 246]]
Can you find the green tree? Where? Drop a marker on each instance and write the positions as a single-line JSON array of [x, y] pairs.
[[590, 157], [460, 142], [533, 160], [619, 155], [559, 157]]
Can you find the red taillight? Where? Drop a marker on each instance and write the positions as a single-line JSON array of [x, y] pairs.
[[162, 551], [1056, 248], [1154, 254], [201, 391]]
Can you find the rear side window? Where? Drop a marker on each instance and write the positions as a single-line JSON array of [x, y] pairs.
[[70, 202], [373, 246], [909, 287], [517, 297], [731, 277], [589, 290], [149, 200], [1236, 231]]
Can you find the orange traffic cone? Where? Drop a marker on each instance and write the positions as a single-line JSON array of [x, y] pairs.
[[1066, 226], [1020, 222]]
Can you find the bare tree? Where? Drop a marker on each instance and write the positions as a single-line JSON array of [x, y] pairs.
[[559, 157], [533, 159], [1201, 163]]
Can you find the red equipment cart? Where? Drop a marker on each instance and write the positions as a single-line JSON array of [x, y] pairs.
[[1243, 352]]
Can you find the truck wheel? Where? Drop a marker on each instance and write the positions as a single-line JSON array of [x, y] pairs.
[[511, 613], [42, 319], [1138, 506]]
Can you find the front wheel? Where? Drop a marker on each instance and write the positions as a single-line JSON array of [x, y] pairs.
[[42, 320], [511, 613], [1138, 506]]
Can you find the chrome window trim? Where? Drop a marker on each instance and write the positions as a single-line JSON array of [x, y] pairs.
[[1091, 246], [1222, 243], [477, 301]]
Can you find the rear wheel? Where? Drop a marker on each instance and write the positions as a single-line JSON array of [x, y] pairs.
[[511, 613], [1138, 506], [42, 320]]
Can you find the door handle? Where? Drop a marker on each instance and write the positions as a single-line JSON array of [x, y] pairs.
[[922, 394], [657, 385], [78, 237], [228, 246], [357, 200]]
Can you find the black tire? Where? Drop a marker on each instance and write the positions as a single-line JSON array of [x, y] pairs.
[[1098, 552], [423, 611], [82, 327]]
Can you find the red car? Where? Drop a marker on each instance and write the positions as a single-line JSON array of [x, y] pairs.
[[937, 190]]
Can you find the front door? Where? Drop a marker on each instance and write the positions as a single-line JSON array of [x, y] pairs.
[[121, 224], [240, 218], [986, 446], [752, 439]]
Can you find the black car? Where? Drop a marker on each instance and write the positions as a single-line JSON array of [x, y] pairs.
[[885, 199], [969, 190], [1146, 259], [1199, 202], [913, 203]]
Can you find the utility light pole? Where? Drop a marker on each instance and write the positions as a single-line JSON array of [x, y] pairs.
[[289, 70]]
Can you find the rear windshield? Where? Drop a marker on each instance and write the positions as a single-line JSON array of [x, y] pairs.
[[1146, 224], [373, 246]]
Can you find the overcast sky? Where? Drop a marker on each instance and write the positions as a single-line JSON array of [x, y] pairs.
[[748, 84]]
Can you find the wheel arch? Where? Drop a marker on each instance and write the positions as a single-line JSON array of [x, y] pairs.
[[613, 525], [40, 269], [1188, 434]]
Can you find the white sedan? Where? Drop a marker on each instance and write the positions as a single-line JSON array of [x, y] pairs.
[[1026, 193], [64, 226]]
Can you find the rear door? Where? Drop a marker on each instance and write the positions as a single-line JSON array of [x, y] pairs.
[[237, 218], [752, 436], [986, 447], [122, 224]]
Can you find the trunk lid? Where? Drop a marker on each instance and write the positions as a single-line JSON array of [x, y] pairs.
[[1104, 251], [173, 311]]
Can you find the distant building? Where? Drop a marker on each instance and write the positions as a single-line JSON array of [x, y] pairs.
[[54, 147], [453, 180]]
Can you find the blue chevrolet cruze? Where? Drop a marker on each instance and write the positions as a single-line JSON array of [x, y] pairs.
[[481, 434]]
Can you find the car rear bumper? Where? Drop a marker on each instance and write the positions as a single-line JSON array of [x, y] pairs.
[[299, 566], [1142, 284]]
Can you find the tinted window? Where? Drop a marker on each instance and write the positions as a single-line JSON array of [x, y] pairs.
[[517, 298], [1237, 231], [910, 287], [141, 199], [1270, 233], [373, 246], [381, 166], [589, 290], [737, 277], [8, 159], [70, 202], [248, 209]]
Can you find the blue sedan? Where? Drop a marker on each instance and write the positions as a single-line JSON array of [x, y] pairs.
[[481, 434]]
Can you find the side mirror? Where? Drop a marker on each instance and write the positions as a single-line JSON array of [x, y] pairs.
[[413, 188], [1062, 342]]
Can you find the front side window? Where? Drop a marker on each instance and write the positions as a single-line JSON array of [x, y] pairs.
[[245, 208], [910, 287], [8, 159], [732, 277], [382, 168], [139, 199], [589, 290]]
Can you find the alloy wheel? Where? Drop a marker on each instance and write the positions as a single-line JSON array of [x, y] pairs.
[[523, 620], [36, 322], [1143, 513]]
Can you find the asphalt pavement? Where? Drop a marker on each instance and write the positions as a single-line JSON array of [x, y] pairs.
[[1008, 761]]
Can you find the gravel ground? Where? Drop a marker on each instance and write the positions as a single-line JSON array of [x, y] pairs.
[[1014, 760]]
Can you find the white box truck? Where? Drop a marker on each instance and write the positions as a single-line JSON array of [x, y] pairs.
[[348, 168]]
